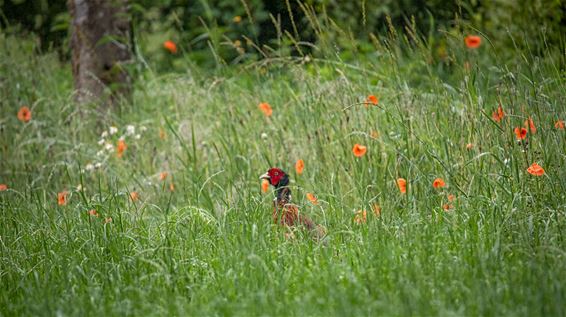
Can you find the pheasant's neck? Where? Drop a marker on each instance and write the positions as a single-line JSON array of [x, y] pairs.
[[283, 192], [283, 195]]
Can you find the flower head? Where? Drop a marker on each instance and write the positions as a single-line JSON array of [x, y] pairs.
[[299, 166], [472, 41], [266, 109], [62, 198], [535, 170], [360, 217], [520, 133], [469, 146], [170, 46], [529, 123], [93, 213], [312, 198], [438, 183], [559, 125], [264, 185], [498, 115], [107, 220], [402, 184], [371, 99], [24, 115], [3, 187], [359, 150], [120, 148], [163, 176], [134, 196]]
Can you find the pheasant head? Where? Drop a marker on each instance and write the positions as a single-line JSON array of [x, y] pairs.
[[278, 179]]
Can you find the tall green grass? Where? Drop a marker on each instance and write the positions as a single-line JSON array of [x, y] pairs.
[[209, 247]]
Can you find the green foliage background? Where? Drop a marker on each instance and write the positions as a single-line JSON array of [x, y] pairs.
[[202, 26]]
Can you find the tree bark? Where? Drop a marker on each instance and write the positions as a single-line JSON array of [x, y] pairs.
[[100, 44]]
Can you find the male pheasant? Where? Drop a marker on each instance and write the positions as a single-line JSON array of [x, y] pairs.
[[285, 213]]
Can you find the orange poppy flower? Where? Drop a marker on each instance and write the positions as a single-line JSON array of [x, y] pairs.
[[163, 176], [264, 185], [170, 46], [24, 115], [438, 183], [446, 207], [120, 148], [521, 133], [359, 150], [530, 125], [312, 199], [498, 115], [371, 99], [266, 109], [472, 41], [451, 197], [62, 198], [107, 220], [299, 166], [469, 146], [376, 210], [402, 184], [93, 213], [171, 187], [3, 187], [535, 170], [559, 125], [134, 196], [360, 217]]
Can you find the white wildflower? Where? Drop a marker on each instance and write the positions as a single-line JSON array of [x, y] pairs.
[[130, 130], [122, 138], [101, 141], [113, 130], [98, 165], [137, 136], [264, 136], [109, 147], [143, 128], [79, 187], [100, 153], [104, 134], [89, 167]]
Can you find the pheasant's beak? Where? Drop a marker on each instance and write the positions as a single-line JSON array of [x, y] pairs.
[[265, 176]]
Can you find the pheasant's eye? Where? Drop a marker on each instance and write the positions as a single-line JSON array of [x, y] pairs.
[[276, 173]]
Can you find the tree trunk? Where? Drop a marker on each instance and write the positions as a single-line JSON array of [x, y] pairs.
[[100, 44]]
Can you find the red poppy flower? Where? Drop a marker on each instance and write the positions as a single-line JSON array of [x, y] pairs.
[[438, 183], [521, 133], [62, 198], [371, 99], [299, 166], [472, 41], [264, 185], [360, 217], [559, 125], [535, 170], [359, 150], [312, 198], [266, 109], [498, 115], [529, 123], [170, 46], [402, 184], [120, 148], [24, 115], [3, 187]]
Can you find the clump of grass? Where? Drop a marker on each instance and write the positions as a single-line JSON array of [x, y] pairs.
[[207, 245]]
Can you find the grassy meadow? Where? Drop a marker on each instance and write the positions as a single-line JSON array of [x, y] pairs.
[[177, 224]]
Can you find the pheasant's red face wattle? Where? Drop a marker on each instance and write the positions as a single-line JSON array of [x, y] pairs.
[[275, 175]]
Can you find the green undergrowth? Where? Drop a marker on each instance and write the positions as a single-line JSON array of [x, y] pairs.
[[208, 246]]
